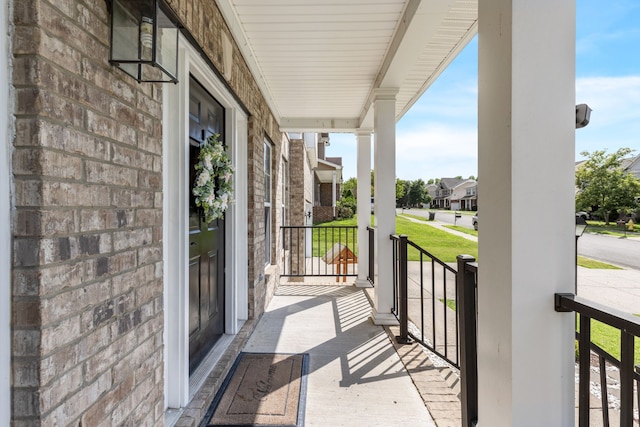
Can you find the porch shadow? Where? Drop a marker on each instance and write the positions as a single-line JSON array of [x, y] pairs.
[[355, 375]]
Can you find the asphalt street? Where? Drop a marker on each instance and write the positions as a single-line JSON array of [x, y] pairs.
[[620, 251], [442, 216]]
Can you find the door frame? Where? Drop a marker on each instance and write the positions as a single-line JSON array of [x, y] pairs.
[[175, 218]]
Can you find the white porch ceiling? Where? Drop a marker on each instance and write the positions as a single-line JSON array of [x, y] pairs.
[[319, 61]]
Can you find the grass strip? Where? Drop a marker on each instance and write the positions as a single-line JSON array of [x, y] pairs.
[[451, 303], [608, 338], [463, 230], [592, 263]]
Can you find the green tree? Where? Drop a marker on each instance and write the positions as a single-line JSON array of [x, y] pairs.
[[350, 188], [417, 194], [401, 190], [372, 180], [603, 186]]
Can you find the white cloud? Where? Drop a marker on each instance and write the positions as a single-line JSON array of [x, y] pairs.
[[437, 150], [615, 120], [614, 100], [438, 137]]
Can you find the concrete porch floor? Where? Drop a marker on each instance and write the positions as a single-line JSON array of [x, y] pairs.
[[356, 376]]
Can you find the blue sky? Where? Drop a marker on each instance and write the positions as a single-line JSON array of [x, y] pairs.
[[437, 137]]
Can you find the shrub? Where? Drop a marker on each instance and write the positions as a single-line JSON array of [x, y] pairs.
[[346, 208]]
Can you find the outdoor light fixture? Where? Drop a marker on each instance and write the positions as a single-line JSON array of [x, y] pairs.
[[581, 225], [144, 40]]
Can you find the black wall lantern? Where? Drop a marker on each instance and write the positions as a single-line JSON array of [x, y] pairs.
[[144, 40]]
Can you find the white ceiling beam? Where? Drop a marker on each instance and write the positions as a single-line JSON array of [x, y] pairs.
[[420, 22], [294, 124]]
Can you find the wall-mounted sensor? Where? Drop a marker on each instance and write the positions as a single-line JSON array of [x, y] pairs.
[[583, 112]]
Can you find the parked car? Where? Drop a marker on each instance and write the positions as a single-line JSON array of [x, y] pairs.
[[474, 221], [583, 215]]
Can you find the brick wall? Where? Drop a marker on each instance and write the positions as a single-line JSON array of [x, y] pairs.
[[87, 316], [322, 214], [297, 162], [326, 193], [87, 274]]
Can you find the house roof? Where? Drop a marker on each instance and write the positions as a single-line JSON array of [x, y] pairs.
[[450, 182], [325, 170], [633, 167], [318, 63]]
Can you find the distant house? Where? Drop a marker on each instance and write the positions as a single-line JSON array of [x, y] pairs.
[[327, 179], [431, 190], [442, 200], [633, 166], [630, 165], [465, 196]]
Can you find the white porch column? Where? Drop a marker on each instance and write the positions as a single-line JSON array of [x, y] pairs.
[[364, 205], [384, 121], [333, 192], [526, 159]]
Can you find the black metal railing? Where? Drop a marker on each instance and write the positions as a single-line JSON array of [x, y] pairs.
[[455, 339], [410, 310], [467, 300], [372, 262], [431, 308], [629, 328], [319, 251]]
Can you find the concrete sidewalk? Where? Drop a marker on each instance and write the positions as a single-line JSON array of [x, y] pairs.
[[441, 226], [619, 289], [355, 378]]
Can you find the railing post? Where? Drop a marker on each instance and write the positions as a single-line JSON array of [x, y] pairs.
[[626, 378], [372, 262], [466, 310], [584, 370], [403, 294]]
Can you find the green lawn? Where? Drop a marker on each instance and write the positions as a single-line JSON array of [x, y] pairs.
[[600, 227], [418, 217], [591, 263], [323, 240], [440, 244], [608, 338], [451, 303], [463, 229]]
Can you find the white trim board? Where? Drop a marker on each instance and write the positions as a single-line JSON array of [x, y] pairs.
[[175, 163]]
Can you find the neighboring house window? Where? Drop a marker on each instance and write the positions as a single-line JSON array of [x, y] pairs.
[[267, 202]]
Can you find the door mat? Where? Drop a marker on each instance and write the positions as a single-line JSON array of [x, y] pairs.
[[262, 389]]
